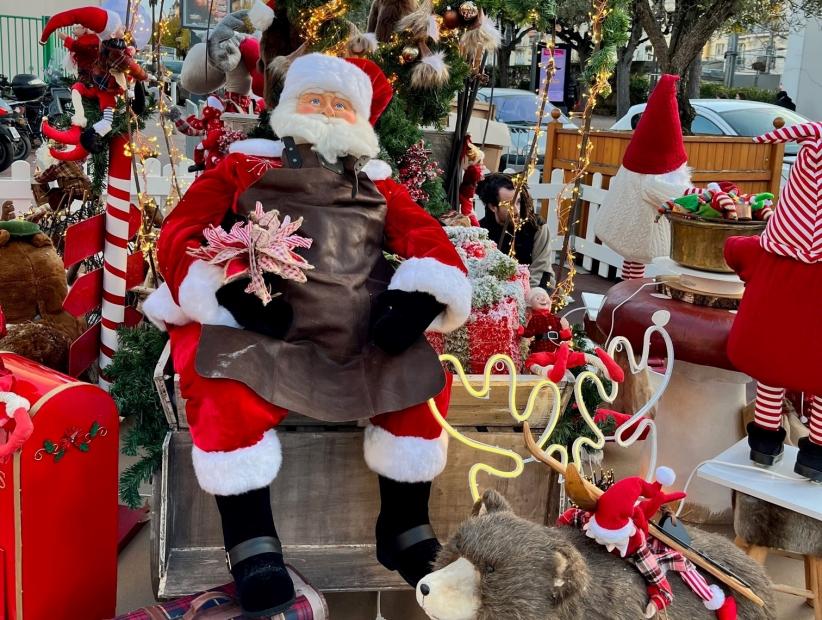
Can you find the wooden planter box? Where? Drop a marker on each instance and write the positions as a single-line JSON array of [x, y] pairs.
[[325, 499]]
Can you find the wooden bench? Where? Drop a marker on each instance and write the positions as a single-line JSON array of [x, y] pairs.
[[325, 500]]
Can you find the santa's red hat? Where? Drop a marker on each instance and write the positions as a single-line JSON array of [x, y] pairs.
[[99, 20], [795, 228], [656, 146], [359, 80]]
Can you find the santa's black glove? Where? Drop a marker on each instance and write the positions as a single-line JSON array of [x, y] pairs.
[[272, 320], [399, 318]]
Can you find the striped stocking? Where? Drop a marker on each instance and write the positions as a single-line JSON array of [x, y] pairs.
[[768, 413], [816, 420], [632, 270]]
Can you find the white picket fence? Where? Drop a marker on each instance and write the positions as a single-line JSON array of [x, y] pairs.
[[158, 184]]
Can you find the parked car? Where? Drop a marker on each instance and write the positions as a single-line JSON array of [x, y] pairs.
[[730, 117], [518, 110]]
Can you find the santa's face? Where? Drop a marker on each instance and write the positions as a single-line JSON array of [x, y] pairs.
[[327, 104], [327, 121]]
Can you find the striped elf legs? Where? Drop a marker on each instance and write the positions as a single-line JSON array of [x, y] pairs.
[[632, 270], [768, 413]]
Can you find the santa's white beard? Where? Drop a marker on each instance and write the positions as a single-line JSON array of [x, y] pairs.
[[331, 137]]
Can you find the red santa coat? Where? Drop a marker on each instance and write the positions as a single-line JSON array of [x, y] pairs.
[[776, 336]]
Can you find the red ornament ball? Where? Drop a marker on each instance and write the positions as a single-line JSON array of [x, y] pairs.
[[451, 18]]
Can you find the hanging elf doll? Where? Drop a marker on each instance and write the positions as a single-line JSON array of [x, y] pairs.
[[782, 271], [15, 423], [312, 300], [619, 522], [107, 78]]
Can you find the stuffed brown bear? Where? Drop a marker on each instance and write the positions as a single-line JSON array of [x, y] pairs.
[[498, 565], [32, 290]]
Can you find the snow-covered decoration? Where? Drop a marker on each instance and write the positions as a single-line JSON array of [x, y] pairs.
[[498, 305]]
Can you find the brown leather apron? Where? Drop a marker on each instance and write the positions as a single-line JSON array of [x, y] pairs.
[[326, 367]]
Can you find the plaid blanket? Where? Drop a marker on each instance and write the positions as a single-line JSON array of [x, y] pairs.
[[310, 605]]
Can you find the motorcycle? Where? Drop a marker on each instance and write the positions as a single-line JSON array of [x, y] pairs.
[[31, 102], [11, 140]]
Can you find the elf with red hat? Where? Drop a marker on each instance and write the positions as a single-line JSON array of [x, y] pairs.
[[338, 337], [782, 271], [654, 170], [619, 522], [103, 75]]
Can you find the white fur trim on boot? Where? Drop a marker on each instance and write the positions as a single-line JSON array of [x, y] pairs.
[[717, 600], [318, 72], [260, 15], [198, 295], [160, 309], [241, 470], [449, 285], [404, 459]]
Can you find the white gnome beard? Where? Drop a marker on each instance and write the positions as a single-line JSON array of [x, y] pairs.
[[331, 137]]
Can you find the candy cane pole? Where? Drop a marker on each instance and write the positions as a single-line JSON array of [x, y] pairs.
[[115, 252]]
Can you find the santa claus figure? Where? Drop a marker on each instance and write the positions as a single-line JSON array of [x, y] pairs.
[[344, 344], [782, 271], [654, 170]]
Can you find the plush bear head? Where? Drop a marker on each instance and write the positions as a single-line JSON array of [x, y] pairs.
[[498, 565]]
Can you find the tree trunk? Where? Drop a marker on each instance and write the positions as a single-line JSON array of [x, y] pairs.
[[686, 110], [503, 66], [695, 78], [625, 58]]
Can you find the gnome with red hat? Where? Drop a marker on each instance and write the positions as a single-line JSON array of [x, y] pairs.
[[103, 77], [654, 170], [782, 271], [313, 321], [619, 522]]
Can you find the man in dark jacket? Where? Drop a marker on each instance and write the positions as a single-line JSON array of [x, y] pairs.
[[784, 100], [531, 242]]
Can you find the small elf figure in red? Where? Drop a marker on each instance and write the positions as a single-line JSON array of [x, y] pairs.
[[472, 166], [619, 522], [551, 355], [209, 125]]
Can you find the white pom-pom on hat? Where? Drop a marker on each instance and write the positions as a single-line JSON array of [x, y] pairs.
[[665, 476], [717, 598]]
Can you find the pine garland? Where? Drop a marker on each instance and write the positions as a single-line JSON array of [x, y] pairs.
[[615, 33], [133, 390]]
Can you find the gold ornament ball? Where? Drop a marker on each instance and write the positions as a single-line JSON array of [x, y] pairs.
[[469, 10], [450, 19], [410, 53]]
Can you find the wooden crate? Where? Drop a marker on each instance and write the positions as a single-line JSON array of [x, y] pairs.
[[325, 500]]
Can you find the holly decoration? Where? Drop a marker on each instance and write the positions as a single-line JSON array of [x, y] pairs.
[[72, 438]]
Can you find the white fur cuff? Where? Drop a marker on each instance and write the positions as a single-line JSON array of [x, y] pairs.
[[261, 15], [404, 459], [13, 403], [717, 600], [160, 309], [259, 147], [198, 295], [377, 170], [241, 470], [449, 285]]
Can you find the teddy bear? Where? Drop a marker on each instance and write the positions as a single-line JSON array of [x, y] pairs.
[[498, 566], [32, 290]]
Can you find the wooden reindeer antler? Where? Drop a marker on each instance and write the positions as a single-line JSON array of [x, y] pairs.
[[585, 495]]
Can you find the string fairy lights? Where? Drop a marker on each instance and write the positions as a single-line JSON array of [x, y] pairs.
[[314, 19]]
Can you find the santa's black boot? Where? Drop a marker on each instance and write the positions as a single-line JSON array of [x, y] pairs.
[[766, 445], [406, 541], [809, 460], [254, 553]]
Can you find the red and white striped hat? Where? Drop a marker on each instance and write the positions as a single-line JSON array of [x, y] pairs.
[[795, 229]]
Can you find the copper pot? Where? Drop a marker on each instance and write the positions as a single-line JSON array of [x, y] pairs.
[[699, 244]]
